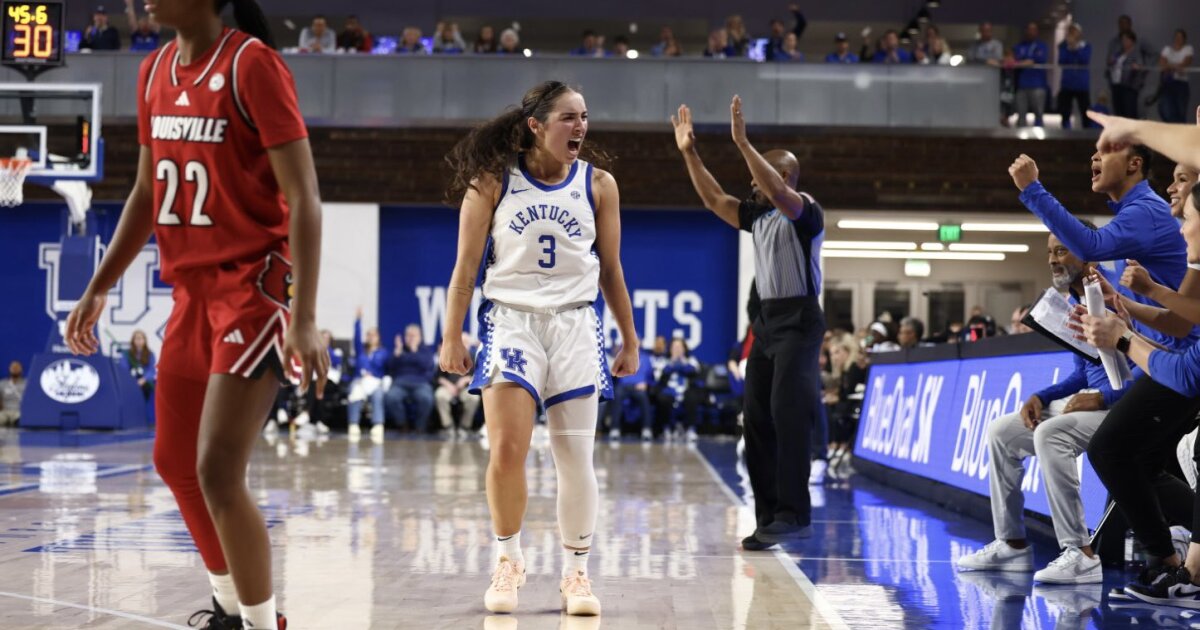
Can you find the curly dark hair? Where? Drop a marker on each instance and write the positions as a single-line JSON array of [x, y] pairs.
[[493, 147]]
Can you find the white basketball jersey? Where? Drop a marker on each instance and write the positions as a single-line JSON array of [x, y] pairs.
[[540, 255]]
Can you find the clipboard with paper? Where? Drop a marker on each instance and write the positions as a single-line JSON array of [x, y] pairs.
[[1050, 316]]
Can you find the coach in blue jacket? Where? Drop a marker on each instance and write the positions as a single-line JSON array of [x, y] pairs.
[[1131, 448]]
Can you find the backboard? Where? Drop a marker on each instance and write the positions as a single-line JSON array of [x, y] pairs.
[[57, 125]]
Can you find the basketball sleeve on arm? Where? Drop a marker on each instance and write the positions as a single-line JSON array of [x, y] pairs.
[[266, 95]]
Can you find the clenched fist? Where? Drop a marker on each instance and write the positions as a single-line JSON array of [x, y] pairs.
[[1024, 171]]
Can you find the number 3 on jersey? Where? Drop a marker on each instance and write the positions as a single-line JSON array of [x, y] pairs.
[[551, 245], [168, 171]]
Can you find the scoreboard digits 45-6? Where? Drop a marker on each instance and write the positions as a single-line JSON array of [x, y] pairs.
[[33, 33]]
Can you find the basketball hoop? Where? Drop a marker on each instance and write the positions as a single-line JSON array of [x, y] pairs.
[[12, 180]]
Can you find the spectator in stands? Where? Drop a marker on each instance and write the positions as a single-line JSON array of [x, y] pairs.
[[666, 43], [1075, 88], [447, 39], [1008, 85], [620, 48], [935, 51], [848, 371], [739, 40], [1100, 107], [354, 37], [509, 42], [1174, 62], [12, 389], [1127, 76], [1032, 86], [841, 51], [589, 46], [143, 31], [658, 357], [890, 50], [679, 390], [881, 337], [779, 31], [790, 50], [1056, 424], [317, 38], [139, 362], [981, 326], [100, 35], [410, 42], [485, 42], [1016, 326], [912, 331], [370, 367], [1143, 55], [718, 44], [453, 389], [412, 368], [635, 389], [673, 49], [319, 409], [925, 53], [985, 49]]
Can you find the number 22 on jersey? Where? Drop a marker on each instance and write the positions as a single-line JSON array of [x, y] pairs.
[[194, 172]]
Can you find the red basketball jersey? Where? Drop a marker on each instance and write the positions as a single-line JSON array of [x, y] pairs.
[[208, 125]]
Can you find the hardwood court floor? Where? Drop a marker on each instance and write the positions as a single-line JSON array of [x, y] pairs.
[[391, 535]]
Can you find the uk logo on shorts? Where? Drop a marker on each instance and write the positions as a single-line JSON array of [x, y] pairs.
[[514, 359]]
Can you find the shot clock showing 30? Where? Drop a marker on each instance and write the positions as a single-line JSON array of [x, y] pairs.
[[32, 33]]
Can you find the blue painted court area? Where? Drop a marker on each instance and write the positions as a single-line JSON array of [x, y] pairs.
[[885, 559]]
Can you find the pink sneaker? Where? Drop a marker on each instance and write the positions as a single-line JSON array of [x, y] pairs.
[[501, 596], [577, 597]]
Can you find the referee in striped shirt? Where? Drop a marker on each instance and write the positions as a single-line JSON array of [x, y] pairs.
[[783, 383]]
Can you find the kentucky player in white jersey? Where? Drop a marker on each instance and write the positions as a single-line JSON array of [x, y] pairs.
[[550, 225]]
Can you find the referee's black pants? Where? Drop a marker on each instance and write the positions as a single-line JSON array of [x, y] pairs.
[[1131, 451], [783, 399]]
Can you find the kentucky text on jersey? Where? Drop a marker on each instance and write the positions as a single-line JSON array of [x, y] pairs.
[[544, 212], [188, 128]]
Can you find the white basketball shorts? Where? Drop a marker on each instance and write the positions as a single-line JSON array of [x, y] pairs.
[[555, 356]]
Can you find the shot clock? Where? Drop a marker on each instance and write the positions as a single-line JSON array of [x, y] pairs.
[[33, 33]]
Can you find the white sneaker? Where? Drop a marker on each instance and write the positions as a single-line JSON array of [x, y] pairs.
[[1071, 567], [507, 579], [281, 416], [691, 435], [577, 597], [614, 434], [322, 428], [354, 431], [377, 433], [647, 435], [301, 419], [816, 474], [998, 556], [271, 429]]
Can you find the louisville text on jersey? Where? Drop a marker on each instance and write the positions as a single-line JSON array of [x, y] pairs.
[[188, 128]]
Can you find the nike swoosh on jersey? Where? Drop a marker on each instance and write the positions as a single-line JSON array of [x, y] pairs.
[[515, 191]]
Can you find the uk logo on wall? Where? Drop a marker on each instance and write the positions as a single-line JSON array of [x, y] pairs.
[[137, 302]]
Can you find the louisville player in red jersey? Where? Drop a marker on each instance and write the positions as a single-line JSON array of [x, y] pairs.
[[226, 183]]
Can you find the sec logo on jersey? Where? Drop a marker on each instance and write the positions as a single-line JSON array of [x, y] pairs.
[[275, 281]]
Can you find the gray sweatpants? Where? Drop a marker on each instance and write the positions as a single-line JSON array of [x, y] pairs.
[[1031, 99], [1057, 442]]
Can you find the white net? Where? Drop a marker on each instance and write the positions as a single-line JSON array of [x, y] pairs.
[[12, 180]]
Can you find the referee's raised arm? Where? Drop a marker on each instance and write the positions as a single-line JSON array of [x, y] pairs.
[[714, 197]]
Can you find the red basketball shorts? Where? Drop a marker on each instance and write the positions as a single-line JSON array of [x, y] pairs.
[[229, 319]]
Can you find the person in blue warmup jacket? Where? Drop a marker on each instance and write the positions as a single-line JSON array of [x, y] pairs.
[[1075, 88]]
